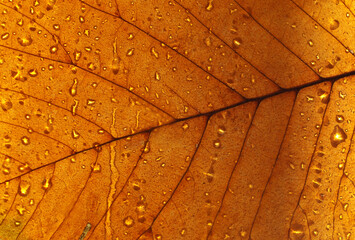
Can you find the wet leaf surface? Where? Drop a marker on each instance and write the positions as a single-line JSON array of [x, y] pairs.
[[177, 119]]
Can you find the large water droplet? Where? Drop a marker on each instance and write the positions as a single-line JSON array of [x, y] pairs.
[[24, 188], [337, 136], [297, 232], [25, 41]]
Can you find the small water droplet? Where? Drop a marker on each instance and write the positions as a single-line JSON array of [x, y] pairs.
[[217, 143], [47, 183], [237, 42], [23, 167], [310, 98], [210, 174], [334, 24], [53, 49], [77, 55], [128, 221], [74, 107], [20, 209], [81, 19], [209, 6], [339, 118], [154, 52], [73, 89], [243, 233], [96, 168], [5, 36], [90, 102], [33, 72], [25, 140], [75, 134], [221, 130], [130, 52], [208, 41]]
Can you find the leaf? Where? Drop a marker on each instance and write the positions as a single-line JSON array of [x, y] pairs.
[[177, 119]]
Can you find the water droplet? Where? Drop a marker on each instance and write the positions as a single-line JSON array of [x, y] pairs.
[[208, 41], [23, 167], [25, 140], [221, 130], [183, 231], [74, 107], [146, 148], [6, 104], [20, 209], [47, 183], [90, 102], [130, 52], [342, 95], [157, 76], [310, 43], [91, 66], [128, 221], [339, 118], [310, 98], [154, 52], [324, 96], [81, 19], [237, 42], [209, 6], [26, 41], [297, 231], [53, 49], [337, 136], [158, 237], [116, 59], [33, 72], [73, 89], [5, 36], [75, 134], [334, 24], [77, 55], [345, 207], [97, 147], [185, 126], [210, 174], [24, 188], [96, 168], [217, 143], [243, 233]]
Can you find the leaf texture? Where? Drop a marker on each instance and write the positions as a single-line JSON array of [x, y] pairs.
[[177, 119]]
